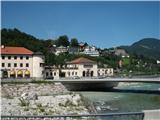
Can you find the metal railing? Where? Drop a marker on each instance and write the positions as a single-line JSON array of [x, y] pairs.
[[107, 116]]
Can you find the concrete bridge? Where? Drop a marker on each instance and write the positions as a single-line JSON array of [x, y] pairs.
[[88, 80], [105, 80], [101, 84]]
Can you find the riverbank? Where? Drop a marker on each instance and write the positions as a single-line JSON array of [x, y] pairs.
[[42, 99], [128, 101]]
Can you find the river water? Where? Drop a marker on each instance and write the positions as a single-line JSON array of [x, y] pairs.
[[133, 97]]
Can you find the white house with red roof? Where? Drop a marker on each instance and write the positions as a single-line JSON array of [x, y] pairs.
[[84, 67], [19, 62], [81, 67]]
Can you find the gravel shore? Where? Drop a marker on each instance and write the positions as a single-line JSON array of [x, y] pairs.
[[42, 99]]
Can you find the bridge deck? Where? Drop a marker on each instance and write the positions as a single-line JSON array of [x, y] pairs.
[[146, 80], [88, 80]]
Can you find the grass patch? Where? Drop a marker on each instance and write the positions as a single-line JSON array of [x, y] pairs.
[[26, 109], [24, 102], [40, 107]]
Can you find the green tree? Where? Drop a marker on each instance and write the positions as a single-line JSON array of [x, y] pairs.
[[63, 40], [50, 59], [85, 44], [74, 42]]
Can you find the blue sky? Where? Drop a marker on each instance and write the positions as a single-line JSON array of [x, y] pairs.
[[104, 24]]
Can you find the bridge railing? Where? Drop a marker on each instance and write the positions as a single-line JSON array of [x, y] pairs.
[[108, 116]]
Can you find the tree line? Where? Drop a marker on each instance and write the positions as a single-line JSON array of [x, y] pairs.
[[14, 37]]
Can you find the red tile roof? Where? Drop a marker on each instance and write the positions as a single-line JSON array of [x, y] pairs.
[[82, 60], [16, 50]]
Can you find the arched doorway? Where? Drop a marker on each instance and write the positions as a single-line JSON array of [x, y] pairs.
[[12, 74], [83, 73], [20, 74], [27, 74], [87, 73], [106, 72], [91, 73]]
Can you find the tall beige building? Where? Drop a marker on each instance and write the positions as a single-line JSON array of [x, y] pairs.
[[19, 62]]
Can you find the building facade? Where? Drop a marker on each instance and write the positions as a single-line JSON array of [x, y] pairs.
[[80, 67], [105, 71], [61, 49], [19, 62], [51, 72], [91, 51], [121, 52]]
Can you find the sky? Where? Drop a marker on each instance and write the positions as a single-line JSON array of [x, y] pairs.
[[103, 24]]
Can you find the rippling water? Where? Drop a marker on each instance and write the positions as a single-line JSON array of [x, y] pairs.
[[126, 100]]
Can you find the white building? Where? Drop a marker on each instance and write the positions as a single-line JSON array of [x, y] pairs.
[[51, 72], [81, 67], [91, 51], [158, 61], [61, 49], [121, 52], [19, 62], [105, 71]]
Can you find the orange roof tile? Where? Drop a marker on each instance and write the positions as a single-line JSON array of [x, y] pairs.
[[82, 60], [16, 50]]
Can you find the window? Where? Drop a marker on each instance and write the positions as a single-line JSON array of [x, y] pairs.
[[106, 72], [68, 73], [9, 64], [3, 57], [41, 64], [21, 64], [27, 57], [27, 65], [75, 73], [9, 57], [72, 73], [54, 73], [50, 73], [88, 66], [3, 64], [21, 57], [15, 64], [46, 73], [15, 57]]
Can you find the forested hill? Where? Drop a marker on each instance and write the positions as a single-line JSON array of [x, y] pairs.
[[14, 37], [148, 47]]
